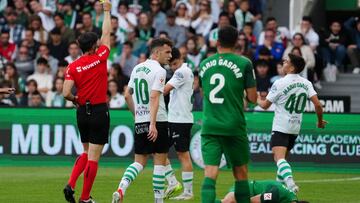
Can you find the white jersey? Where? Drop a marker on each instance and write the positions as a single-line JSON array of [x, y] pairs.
[[145, 77], [180, 105], [289, 95]]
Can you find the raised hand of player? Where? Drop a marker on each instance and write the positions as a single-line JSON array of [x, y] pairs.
[[322, 124], [153, 133], [106, 5]]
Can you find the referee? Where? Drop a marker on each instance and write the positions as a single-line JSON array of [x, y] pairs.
[[89, 75]]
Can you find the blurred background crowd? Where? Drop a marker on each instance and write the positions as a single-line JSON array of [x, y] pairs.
[[38, 41]]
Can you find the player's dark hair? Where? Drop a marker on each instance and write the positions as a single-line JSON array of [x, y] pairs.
[[87, 41], [298, 62], [175, 54], [227, 36], [159, 42]]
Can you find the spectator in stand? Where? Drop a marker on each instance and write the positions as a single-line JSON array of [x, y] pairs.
[[182, 14], [202, 20], [127, 20], [196, 50], [231, 9], [114, 49], [7, 49], [42, 77], [22, 12], [87, 25], [16, 30], [33, 45], [333, 46], [36, 100], [306, 29], [157, 15], [40, 34], [248, 31], [24, 63], [60, 73], [353, 50], [243, 15], [242, 46], [44, 9], [52, 61], [57, 44], [144, 31], [298, 41], [120, 37], [176, 33], [8, 99], [117, 100], [262, 76], [74, 52], [127, 60], [67, 34], [276, 48], [54, 98], [197, 95], [280, 72], [97, 14], [282, 34], [224, 20], [71, 16], [265, 54], [115, 73], [12, 76], [31, 87]]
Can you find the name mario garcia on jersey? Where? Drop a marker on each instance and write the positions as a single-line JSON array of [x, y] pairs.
[[221, 62]]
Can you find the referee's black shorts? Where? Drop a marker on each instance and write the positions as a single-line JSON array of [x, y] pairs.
[[283, 140], [94, 127], [144, 146]]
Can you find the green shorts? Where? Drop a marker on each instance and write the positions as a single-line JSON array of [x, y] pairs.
[[235, 148]]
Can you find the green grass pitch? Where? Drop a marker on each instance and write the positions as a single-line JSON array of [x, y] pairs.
[[33, 182]]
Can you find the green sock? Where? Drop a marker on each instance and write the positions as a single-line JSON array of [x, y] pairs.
[[208, 193], [242, 191]]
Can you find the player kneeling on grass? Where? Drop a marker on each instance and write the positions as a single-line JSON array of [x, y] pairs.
[[289, 95], [266, 191], [180, 118]]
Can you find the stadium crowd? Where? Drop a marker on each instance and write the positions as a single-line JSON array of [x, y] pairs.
[[38, 41]]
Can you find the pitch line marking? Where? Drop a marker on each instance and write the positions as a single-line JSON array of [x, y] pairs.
[[329, 180]]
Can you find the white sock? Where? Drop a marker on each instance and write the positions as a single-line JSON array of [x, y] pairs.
[[159, 181], [170, 175], [129, 176], [187, 178]]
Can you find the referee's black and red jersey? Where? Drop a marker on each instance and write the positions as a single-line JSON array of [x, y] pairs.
[[89, 74]]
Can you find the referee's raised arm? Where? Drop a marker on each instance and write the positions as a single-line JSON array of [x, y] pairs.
[[106, 27]]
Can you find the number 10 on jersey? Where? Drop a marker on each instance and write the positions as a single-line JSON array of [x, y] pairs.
[[141, 91]]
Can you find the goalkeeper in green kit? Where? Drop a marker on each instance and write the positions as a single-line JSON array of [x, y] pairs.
[[224, 78]]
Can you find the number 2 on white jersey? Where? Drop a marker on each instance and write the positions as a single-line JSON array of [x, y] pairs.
[[221, 82]]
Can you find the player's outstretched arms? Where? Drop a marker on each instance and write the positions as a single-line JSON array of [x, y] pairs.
[[129, 100], [106, 27], [319, 111]]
